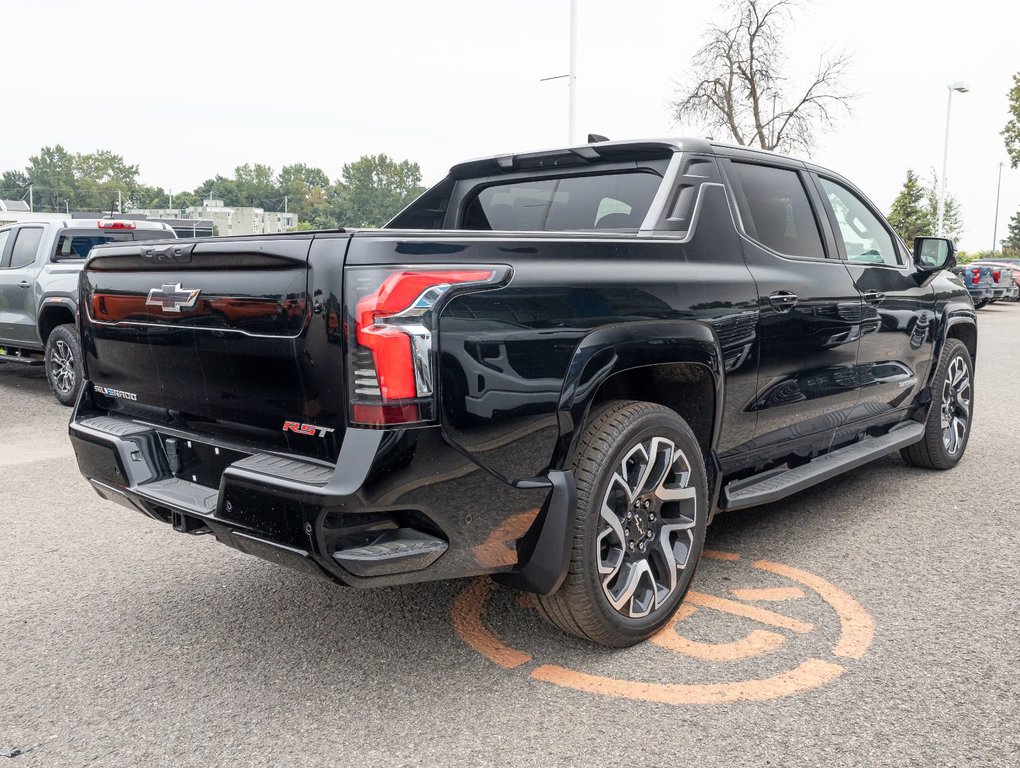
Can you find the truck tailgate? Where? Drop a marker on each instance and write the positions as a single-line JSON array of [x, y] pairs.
[[212, 334]]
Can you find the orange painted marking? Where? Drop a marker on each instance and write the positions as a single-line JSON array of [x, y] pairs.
[[499, 548], [760, 615], [715, 554], [467, 622], [759, 641], [811, 674], [858, 628], [768, 593]]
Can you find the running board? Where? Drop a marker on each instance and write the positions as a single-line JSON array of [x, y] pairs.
[[10, 357], [779, 483]]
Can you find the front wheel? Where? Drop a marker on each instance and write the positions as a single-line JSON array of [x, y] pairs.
[[947, 429], [63, 363], [642, 508]]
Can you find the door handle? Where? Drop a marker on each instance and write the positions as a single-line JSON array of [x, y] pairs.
[[783, 301], [874, 297], [24, 284]]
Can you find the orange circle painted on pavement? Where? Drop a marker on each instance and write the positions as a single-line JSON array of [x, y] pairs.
[[857, 630]]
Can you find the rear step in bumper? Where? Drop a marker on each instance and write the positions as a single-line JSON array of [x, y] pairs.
[[127, 464], [316, 518], [779, 483]]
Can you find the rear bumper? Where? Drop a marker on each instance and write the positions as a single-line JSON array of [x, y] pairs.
[[397, 507]]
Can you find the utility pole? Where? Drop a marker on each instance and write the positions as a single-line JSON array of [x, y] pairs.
[[31, 201], [171, 199], [120, 207], [285, 203], [995, 226]]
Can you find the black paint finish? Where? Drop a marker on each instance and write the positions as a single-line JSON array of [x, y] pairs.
[[772, 360]]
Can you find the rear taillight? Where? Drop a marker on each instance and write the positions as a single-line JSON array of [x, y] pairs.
[[107, 224], [975, 275], [392, 321], [995, 274]]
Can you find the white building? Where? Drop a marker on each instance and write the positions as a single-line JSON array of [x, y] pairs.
[[229, 220]]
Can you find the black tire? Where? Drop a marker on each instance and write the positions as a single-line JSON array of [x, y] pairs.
[[932, 452], [581, 606], [63, 364], [981, 304]]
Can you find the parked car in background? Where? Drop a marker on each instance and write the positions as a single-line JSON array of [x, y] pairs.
[[1005, 275], [40, 262], [978, 279]]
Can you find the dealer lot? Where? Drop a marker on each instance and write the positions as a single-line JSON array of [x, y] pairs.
[[123, 643]]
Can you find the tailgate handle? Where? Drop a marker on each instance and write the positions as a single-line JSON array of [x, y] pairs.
[[169, 253]]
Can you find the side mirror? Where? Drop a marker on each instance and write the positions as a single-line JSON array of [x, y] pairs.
[[934, 253]]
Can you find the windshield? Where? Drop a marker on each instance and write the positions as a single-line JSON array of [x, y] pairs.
[[612, 201], [78, 243]]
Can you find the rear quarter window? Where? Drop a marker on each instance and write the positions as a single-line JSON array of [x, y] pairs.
[[611, 201]]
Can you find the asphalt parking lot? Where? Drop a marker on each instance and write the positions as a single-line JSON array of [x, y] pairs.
[[870, 621]]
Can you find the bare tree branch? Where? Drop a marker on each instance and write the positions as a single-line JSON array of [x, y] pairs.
[[741, 71]]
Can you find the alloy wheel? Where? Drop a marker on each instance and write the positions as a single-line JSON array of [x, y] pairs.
[[63, 370], [647, 519], [956, 404]]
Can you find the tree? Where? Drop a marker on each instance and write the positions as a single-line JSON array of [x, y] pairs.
[[952, 218], [14, 186], [308, 193], [740, 86], [52, 175], [1011, 133], [374, 189], [910, 214], [1012, 241], [256, 186]]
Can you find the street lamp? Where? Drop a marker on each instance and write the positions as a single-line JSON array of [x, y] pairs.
[[960, 87], [995, 226]]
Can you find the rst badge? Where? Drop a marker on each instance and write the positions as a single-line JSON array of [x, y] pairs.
[[306, 429], [173, 298]]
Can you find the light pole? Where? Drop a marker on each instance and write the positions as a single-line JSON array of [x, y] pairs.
[[960, 87], [571, 76], [995, 226]]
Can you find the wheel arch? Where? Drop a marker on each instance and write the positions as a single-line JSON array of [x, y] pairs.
[[675, 363], [54, 311]]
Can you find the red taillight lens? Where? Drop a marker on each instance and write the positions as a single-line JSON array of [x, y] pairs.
[[391, 345], [107, 224], [975, 276], [995, 274]]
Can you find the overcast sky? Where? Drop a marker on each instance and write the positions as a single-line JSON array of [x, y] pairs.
[[190, 89]]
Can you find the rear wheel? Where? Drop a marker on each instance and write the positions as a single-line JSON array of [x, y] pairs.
[[63, 363], [947, 429], [981, 304], [639, 527]]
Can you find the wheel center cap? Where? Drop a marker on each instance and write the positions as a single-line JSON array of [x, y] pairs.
[[642, 520]]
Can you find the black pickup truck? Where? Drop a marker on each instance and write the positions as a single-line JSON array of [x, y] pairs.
[[553, 367]]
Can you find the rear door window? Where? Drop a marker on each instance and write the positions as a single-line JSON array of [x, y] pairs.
[[616, 201], [780, 210], [26, 246]]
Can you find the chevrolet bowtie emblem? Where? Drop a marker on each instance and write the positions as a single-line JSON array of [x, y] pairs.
[[171, 298]]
